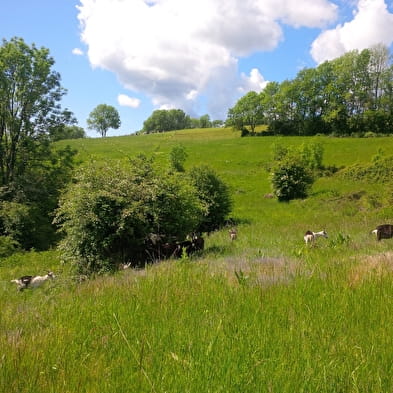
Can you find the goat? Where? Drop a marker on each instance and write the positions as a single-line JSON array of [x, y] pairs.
[[124, 266], [233, 234], [309, 236], [383, 231], [32, 281]]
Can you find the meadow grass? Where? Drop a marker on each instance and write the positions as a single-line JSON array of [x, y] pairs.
[[263, 313]]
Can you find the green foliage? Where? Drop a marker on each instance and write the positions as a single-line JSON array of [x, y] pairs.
[[16, 222], [294, 170], [30, 93], [379, 170], [214, 194], [248, 112], [162, 120], [204, 121], [350, 95], [110, 210], [102, 118], [8, 246], [67, 132], [178, 156], [291, 180], [32, 172]]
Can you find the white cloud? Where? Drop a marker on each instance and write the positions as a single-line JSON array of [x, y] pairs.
[[77, 52], [125, 100], [175, 51], [372, 24], [254, 82]]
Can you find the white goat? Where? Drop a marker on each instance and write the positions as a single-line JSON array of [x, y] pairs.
[[233, 234], [32, 281], [309, 236]]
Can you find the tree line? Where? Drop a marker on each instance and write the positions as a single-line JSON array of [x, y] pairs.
[[352, 94], [162, 120]]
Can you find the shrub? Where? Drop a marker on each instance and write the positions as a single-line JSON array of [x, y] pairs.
[[111, 209], [178, 156], [294, 170], [291, 179], [215, 196], [8, 246]]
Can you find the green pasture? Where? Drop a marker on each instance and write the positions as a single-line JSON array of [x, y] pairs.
[[263, 313]]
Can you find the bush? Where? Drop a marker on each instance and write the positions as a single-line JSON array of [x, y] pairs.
[[109, 212], [178, 157], [8, 246], [291, 180], [215, 196]]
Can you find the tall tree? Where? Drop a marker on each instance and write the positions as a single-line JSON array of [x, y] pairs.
[[102, 118], [32, 172], [248, 111], [30, 93]]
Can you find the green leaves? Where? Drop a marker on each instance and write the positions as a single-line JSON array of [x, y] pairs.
[[102, 118]]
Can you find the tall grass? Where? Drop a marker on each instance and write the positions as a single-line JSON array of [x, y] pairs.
[[263, 313]]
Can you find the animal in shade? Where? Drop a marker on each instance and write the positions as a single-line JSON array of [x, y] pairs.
[[384, 231], [310, 236], [25, 282]]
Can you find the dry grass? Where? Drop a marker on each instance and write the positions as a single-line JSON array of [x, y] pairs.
[[371, 267]]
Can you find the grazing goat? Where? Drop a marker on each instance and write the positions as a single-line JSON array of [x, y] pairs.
[[383, 231], [309, 236], [233, 234], [32, 281]]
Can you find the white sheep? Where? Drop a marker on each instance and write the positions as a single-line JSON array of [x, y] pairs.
[[309, 236], [32, 281]]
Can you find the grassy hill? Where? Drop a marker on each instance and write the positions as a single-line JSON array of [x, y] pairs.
[[264, 313]]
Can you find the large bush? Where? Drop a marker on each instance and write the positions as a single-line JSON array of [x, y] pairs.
[[112, 208], [294, 170], [214, 194], [291, 180]]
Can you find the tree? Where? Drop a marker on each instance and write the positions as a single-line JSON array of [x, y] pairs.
[[248, 111], [204, 121], [162, 120], [30, 93], [67, 132], [32, 172], [102, 118]]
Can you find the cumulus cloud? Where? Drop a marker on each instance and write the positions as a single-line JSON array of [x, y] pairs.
[[372, 24], [253, 82], [125, 100], [77, 52], [176, 51]]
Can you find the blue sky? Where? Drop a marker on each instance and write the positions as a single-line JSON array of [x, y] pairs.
[[197, 55]]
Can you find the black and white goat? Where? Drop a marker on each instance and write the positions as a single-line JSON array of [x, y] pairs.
[[32, 281], [309, 236], [384, 231]]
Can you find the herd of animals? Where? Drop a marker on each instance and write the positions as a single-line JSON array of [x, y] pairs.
[[196, 243]]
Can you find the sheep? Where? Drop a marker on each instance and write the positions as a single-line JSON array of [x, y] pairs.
[[233, 234], [309, 236], [32, 281], [383, 231]]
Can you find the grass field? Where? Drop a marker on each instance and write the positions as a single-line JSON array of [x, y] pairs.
[[261, 314]]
